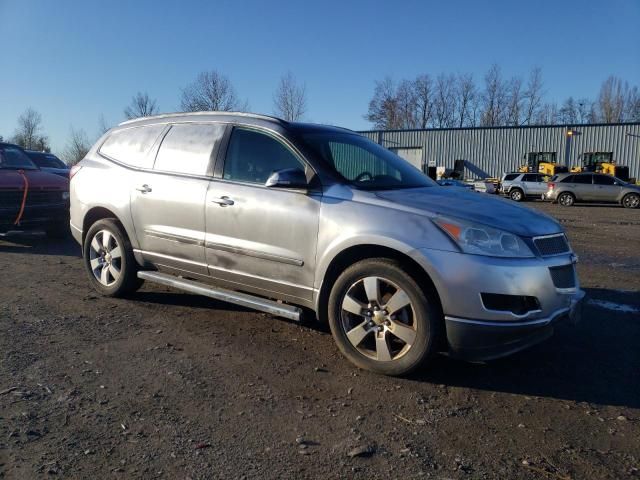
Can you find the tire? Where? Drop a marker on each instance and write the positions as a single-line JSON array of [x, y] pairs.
[[110, 264], [631, 200], [566, 199], [57, 230], [390, 344], [516, 195]]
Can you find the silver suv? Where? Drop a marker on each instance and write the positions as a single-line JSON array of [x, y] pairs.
[[520, 186], [276, 216], [569, 188]]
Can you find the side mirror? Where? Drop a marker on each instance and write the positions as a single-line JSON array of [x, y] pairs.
[[287, 178]]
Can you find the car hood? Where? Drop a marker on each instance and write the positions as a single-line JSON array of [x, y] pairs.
[[11, 179], [476, 207]]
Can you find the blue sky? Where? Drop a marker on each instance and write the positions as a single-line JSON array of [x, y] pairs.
[[75, 60]]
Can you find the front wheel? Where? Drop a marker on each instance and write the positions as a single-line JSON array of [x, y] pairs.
[[631, 200], [381, 319], [109, 261]]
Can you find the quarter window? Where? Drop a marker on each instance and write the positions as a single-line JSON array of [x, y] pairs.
[[603, 180], [252, 156], [187, 148], [131, 146]]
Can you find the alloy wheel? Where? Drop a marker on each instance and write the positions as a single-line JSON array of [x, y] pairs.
[[378, 319], [105, 257], [631, 201], [566, 200]]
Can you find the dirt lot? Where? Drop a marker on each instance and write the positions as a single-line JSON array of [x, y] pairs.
[[169, 385]]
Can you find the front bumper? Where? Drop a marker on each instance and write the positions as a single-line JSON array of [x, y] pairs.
[[479, 340], [477, 330], [35, 217]]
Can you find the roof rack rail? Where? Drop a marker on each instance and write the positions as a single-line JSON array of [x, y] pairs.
[[195, 114]]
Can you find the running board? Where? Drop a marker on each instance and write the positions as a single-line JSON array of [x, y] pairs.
[[243, 299]]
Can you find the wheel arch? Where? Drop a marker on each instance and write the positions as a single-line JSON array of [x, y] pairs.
[[355, 253], [97, 213]]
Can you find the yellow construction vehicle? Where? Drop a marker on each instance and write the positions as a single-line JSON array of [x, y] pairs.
[[542, 162], [601, 162]]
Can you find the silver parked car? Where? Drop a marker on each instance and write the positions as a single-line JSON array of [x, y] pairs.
[[568, 188], [276, 216], [520, 186]]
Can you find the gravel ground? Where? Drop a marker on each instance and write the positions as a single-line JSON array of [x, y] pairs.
[[169, 385]]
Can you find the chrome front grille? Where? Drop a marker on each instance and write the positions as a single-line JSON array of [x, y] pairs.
[[552, 245]]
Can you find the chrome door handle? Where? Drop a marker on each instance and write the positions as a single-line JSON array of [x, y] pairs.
[[223, 201], [144, 188]]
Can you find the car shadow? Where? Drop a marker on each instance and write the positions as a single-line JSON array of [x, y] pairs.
[[39, 244], [183, 299], [596, 361]]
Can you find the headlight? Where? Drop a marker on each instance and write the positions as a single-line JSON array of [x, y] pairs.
[[65, 195], [482, 240]]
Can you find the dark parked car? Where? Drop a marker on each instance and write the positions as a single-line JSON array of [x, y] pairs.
[[48, 162], [568, 188], [31, 199]]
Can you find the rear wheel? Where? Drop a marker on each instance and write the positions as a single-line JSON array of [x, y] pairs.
[[109, 261], [381, 319], [631, 200], [566, 199], [516, 195]]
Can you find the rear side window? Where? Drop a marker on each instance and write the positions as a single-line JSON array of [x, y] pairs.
[[511, 176], [131, 146], [252, 156], [603, 180], [187, 148], [568, 179], [586, 179], [531, 177]]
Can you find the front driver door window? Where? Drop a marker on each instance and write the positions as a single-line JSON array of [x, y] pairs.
[[252, 156]]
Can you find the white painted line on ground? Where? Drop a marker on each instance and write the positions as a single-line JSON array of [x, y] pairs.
[[618, 307]]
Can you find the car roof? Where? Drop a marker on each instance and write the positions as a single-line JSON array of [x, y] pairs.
[[240, 117], [7, 144]]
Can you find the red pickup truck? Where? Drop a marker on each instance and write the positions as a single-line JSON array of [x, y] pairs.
[[31, 199]]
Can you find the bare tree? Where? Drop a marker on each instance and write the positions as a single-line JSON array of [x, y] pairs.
[[211, 91], [548, 114], [466, 102], [514, 102], [611, 100], [290, 99], [586, 111], [384, 111], [141, 106], [444, 101], [632, 105], [28, 134], [494, 98], [533, 96], [568, 112], [423, 90], [77, 147], [406, 101]]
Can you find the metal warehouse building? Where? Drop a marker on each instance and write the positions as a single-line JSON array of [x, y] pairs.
[[495, 150]]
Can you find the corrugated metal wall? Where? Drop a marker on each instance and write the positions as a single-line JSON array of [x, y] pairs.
[[501, 149]]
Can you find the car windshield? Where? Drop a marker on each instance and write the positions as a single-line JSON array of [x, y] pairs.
[[46, 160], [14, 158], [363, 163]]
